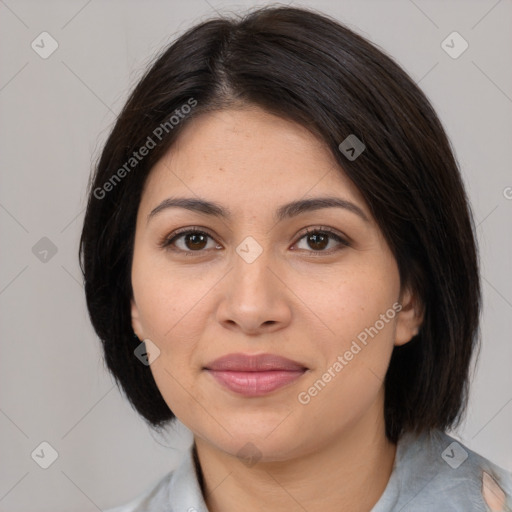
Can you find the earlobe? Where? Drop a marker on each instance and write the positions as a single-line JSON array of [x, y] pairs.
[[409, 319], [136, 325]]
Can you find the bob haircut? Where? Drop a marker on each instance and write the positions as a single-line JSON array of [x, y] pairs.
[[308, 68]]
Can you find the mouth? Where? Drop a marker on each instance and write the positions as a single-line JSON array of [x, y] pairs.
[[254, 375], [255, 383]]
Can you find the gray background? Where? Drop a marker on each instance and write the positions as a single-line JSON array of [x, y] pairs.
[[55, 115]]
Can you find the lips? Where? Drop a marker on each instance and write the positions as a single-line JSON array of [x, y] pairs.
[[254, 363], [254, 375]]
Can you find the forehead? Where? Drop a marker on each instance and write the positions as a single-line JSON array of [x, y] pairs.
[[247, 155]]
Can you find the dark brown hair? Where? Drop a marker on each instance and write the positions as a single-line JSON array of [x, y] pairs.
[[306, 67]]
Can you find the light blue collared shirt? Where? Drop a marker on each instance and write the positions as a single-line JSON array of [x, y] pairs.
[[431, 472]]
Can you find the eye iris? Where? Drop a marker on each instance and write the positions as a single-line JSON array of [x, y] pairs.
[[195, 240], [319, 240]]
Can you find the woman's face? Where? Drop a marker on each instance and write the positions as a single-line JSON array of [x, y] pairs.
[[257, 283]]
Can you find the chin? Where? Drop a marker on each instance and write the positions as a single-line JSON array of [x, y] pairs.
[[264, 443]]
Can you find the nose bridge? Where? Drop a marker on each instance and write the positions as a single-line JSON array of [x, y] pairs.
[[254, 295], [251, 265]]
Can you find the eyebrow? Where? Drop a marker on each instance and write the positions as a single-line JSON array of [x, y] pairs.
[[285, 211]]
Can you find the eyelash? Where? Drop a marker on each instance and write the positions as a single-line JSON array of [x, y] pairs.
[[168, 240]]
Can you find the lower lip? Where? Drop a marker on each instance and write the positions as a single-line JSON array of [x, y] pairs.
[[255, 383]]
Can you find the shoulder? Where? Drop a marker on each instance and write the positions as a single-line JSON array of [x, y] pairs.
[[154, 496], [179, 489], [446, 473]]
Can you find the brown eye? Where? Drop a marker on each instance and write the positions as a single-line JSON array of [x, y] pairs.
[[191, 241], [318, 240], [188, 241], [195, 240]]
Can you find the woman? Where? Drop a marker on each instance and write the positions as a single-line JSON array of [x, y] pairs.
[[278, 250]]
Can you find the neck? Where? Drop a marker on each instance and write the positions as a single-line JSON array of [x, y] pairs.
[[348, 473]]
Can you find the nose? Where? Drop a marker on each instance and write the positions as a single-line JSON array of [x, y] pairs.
[[255, 298]]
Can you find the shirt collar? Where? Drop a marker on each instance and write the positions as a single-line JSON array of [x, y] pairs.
[[185, 490]]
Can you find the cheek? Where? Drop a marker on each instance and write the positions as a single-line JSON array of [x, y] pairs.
[[168, 300], [169, 311], [172, 315], [349, 302], [358, 312]]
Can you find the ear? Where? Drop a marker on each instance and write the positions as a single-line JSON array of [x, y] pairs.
[[409, 318], [136, 324]]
